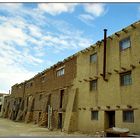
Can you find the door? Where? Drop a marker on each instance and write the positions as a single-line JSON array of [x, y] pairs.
[[110, 119]]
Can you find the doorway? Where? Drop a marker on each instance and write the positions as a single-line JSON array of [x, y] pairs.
[[60, 121], [110, 119]]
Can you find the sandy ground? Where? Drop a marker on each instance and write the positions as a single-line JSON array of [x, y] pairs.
[[10, 128]]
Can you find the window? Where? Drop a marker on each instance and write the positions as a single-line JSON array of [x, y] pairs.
[[94, 115], [93, 58], [125, 43], [93, 85], [40, 96], [60, 72], [128, 116], [31, 84], [43, 79], [125, 78]]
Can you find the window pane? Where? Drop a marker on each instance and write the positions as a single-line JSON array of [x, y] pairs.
[[125, 43], [128, 116], [93, 57], [126, 79], [60, 72], [93, 85], [94, 115]]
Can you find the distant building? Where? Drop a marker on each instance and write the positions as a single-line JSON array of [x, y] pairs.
[[2, 95], [90, 91]]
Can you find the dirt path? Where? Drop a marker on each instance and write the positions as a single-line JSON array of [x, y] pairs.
[[9, 128]]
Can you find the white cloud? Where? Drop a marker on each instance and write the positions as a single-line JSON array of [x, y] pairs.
[[10, 6], [57, 8], [92, 11], [11, 70], [86, 18], [15, 52], [9, 33], [26, 38], [95, 9]]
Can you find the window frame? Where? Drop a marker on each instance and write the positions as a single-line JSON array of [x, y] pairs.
[[124, 81], [130, 118], [92, 60], [95, 115], [123, 40], [58, 72], [93, 88]]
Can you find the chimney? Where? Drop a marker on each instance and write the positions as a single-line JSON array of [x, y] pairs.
[[104, 57]]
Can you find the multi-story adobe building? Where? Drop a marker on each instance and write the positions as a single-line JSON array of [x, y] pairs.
[[99, 87], [46, 94], [109, 91]]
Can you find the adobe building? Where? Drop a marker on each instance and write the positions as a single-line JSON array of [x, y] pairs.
[[43, 99], [108, 82], [93, 90]]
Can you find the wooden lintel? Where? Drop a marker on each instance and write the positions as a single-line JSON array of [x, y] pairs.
[[134, 27], [124, 30], [118, 35]]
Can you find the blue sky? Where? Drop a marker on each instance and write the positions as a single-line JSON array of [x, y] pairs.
[[35, 36]]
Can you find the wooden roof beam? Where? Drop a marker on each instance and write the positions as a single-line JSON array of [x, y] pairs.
[[123, 68], [124, 30], [110, 38], [129, 106], [134, 27], [109, 73], [133, 66], [118, 35], [116, 71], [96, 77]]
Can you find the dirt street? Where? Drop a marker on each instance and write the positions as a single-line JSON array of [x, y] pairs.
[[9, 128]]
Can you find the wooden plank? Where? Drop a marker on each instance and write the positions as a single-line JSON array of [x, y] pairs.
[[69, 109]]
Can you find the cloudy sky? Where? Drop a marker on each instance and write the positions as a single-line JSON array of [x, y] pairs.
[[34, 36]]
